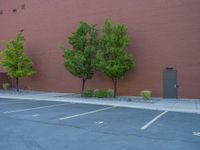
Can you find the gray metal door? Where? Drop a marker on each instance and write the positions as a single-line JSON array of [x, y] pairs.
[[170, 83]]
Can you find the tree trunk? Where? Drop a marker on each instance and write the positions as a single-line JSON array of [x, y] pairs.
[[115, 87], [17, 84], [83, 85]]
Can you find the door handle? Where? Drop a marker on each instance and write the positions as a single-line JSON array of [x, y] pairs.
[[176, 86]]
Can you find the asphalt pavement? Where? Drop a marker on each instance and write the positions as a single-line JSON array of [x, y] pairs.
[[54, 125]]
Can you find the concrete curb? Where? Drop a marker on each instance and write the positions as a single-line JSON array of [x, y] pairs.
[[110, 103]]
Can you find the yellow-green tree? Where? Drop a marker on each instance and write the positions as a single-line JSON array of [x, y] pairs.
[[14, 60]]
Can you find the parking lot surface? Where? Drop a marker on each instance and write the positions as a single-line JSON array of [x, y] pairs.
[[48, 125]]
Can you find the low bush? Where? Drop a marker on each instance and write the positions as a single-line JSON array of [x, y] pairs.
[[87, 93], [6, 86], [103, 93], [145, 94]]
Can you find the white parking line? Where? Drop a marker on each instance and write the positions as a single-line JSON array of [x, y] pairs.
[[36, 115], [153, 120], [86, 113], [196, 133], [99, 122], [34, 108]]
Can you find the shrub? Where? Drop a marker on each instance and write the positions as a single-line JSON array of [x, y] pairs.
[[6, 86], [103, 93], [88, 93], [145, 94]]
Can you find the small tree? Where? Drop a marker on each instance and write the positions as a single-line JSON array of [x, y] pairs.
[[113, 61], [14, 60], [80, 59]]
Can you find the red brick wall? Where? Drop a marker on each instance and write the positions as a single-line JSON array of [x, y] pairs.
[[161, 32]]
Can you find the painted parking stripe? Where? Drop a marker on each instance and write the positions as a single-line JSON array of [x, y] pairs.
[[35, 108], [36, 115], [153, 120], [99, 122], [86, 113], [196, 133]]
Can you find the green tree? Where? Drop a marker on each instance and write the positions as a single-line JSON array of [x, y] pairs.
[[80, 59], [14, 60], [112, 60]]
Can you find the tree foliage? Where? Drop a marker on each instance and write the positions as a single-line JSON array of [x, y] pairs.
[[80, 59], [112, 60], [14, 60]]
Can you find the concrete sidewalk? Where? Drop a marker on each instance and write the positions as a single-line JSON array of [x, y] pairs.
[[176, 105]]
